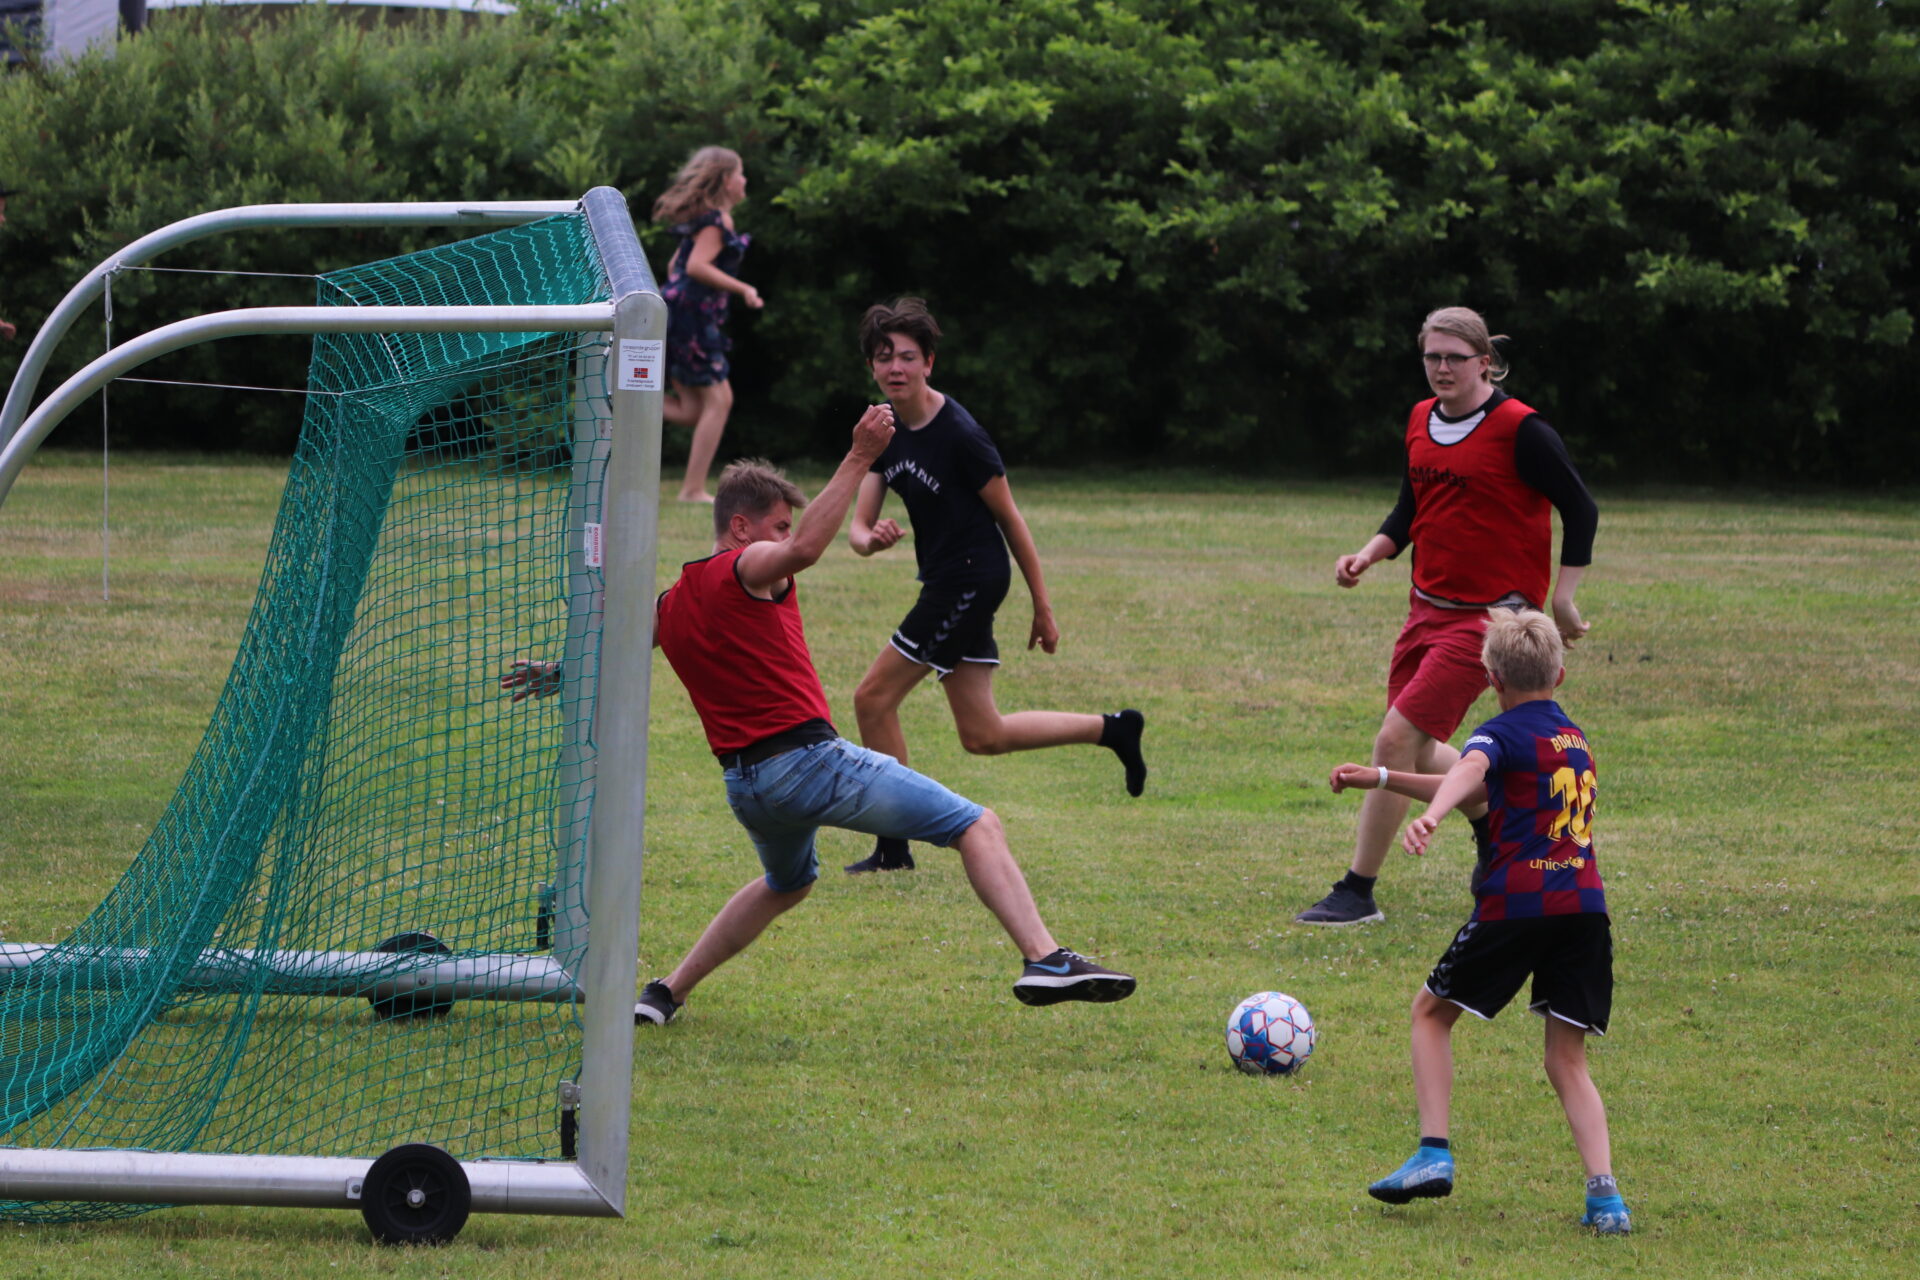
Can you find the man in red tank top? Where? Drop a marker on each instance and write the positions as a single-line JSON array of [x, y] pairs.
[[731, 629], [1483, 469]]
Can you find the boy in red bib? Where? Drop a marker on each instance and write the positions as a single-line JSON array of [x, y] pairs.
[[1483, 469], [731, 629]]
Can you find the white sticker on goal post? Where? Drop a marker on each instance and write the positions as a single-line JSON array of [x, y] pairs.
[[641, 360], [593, 546]]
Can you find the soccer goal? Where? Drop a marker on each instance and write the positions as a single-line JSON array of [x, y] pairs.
[[379, 950]]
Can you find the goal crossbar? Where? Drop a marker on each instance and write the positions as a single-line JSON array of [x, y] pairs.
[[253, 217], [258, 321]]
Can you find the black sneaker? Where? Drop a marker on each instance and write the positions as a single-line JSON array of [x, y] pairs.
[[1067, 975], [1341, 907], [889, 854], [656, 1005]]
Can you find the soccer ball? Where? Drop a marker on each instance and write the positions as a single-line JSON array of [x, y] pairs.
[[1270, 1034]]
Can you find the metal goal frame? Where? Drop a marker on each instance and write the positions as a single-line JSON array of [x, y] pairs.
[[607, 889]]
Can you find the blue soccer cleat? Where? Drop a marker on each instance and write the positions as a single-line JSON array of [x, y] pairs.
[[1608, 1216], [1429, 1174]]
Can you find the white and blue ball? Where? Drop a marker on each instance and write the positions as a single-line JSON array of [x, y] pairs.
[[1270, 1033]]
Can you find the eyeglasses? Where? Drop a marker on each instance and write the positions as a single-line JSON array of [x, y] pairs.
[[1451, 359]]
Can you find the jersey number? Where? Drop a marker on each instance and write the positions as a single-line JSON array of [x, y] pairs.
[[1575, 819]]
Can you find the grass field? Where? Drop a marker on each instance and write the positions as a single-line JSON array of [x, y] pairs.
[[860, 1095]]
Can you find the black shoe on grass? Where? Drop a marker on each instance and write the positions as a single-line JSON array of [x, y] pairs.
[[1120, 734], [1067, 975], [1341, 907], [656, 1005], [889, 854]]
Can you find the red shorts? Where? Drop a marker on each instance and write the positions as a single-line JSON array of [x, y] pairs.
[[1436, 672]]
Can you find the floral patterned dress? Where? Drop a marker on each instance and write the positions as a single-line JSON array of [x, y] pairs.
[[696, 346]]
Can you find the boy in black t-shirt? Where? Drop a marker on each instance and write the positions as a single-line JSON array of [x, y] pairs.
[[948, 473]]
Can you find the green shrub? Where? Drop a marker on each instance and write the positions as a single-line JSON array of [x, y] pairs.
[[208, 110], [1209, 232]]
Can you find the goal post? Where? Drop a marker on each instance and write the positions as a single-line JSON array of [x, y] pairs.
[[379, 952]]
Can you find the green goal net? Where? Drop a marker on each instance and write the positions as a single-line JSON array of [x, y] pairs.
[[360, 920]]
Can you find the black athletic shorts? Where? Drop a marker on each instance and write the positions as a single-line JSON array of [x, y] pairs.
[[1570, 958], [949, 625]]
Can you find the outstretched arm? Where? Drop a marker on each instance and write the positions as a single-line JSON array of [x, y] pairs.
[[1367, 777], [542, 677], [1465, 783], [998, 496], [868, 533], [764, 565]]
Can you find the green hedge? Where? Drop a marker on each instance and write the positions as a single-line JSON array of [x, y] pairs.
[[203, 112], [1154, 229]]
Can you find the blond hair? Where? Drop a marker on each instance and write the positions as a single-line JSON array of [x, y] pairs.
[[1523, 647], [750, 487], [1467, 325], [699, 186]]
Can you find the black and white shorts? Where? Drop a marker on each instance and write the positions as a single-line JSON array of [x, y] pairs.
[[1570, 958], [949, 625]]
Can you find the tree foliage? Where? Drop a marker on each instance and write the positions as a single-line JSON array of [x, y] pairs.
[[1154, 229], [203, 112]]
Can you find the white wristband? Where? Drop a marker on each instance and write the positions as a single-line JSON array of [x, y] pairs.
[[1383, 777]]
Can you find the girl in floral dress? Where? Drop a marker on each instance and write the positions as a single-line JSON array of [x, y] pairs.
[[698, 208]]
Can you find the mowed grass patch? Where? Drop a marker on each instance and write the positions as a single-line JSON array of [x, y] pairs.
[[859, 1095]]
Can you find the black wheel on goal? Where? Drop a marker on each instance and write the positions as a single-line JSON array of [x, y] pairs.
[[405, 1006], [415, 1194]]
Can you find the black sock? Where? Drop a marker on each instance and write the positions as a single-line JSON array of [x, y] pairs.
[[1602, 1184], [890, 853], [1362, 885], [1120, 733], [1438, 1144]]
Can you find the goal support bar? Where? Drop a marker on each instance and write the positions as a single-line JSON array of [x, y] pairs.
[[376, 975], [305, 1182]]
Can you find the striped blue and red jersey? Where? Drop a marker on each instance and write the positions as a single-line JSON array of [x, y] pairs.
[[1540, 796]]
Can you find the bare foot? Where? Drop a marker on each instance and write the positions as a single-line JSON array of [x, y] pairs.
[[696, 497]]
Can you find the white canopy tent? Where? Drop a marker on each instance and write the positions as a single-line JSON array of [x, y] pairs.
[[69, 27]]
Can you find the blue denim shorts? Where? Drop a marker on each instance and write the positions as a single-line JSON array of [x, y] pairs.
[[783, 801]]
